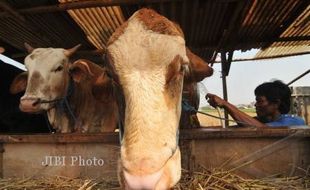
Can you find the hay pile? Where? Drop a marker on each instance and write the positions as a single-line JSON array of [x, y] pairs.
[[215, 179], [198, 180], [57, 183]]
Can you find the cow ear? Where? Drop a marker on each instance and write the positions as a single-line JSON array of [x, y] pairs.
[[102, 86], [19, 83], [199, 68], [69, 52], [28, 47], [79, 70]]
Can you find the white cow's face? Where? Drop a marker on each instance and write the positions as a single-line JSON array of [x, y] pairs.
[[46, 78], [149, 65], [149, 68], [148, 57], [47, 75]]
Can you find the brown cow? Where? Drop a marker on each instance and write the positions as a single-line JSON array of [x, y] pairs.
[[148, 58], [49, 87]]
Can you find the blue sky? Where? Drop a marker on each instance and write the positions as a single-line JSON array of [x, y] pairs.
[[244, 77]]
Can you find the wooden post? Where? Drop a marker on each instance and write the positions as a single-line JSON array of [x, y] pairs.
[[1, 160], [223, 59], [226, 62]]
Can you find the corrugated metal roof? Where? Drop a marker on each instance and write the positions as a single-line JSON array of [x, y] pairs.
[[97, 23], [283, 50], [41, 30], [209, 25], [300, 27]]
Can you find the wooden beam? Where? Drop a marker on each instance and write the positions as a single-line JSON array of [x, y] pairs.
[[61, 138], [7, 8], [226, 62], [185, 134], [1, 160], [251, 44], [79, 53], [85, 4], [287, 39], [5, 40], [20, 20], [206, 133]]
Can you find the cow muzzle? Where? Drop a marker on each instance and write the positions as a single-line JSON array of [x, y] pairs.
[[142, 182], [30, 104]]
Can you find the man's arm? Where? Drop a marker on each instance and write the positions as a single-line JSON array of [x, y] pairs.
[[235, 113]]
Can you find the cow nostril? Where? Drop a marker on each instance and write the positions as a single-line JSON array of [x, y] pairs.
[[36, 102], [29, 104], [30, 101]]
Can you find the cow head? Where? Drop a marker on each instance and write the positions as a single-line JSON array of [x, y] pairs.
[[46, 77], [198, 68], [92, 78], [148, 55]]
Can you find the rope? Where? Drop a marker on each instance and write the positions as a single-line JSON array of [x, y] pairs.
[[187, 107], [48, 123], [62, 103]]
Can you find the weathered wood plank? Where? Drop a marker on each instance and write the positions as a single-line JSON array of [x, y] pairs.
[[265, 152], [185, 134]]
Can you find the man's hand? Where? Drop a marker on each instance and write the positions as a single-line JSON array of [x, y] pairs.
[[215, 101]]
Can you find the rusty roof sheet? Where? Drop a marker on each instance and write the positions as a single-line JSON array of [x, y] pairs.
[[284, 48], [300, 27], [98, 23], [210, 26]]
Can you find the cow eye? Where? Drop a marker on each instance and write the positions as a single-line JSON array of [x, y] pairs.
[[183, 68], [59, 68]]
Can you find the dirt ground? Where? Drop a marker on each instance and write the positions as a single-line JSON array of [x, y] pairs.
[[207, 121]]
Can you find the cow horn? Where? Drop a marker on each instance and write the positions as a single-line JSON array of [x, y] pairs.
[[28, 47], [69, 52]]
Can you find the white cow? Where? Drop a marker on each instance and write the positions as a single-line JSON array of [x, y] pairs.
[[148, 55], [73, 101]]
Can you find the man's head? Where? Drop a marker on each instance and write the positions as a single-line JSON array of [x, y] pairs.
[[272, 98]]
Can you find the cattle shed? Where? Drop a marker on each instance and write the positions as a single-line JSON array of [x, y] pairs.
[[212, 28], [279, 28]]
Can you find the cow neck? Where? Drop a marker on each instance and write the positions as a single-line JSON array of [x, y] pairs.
[[62, 105], [66, 98], [118, 93]]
